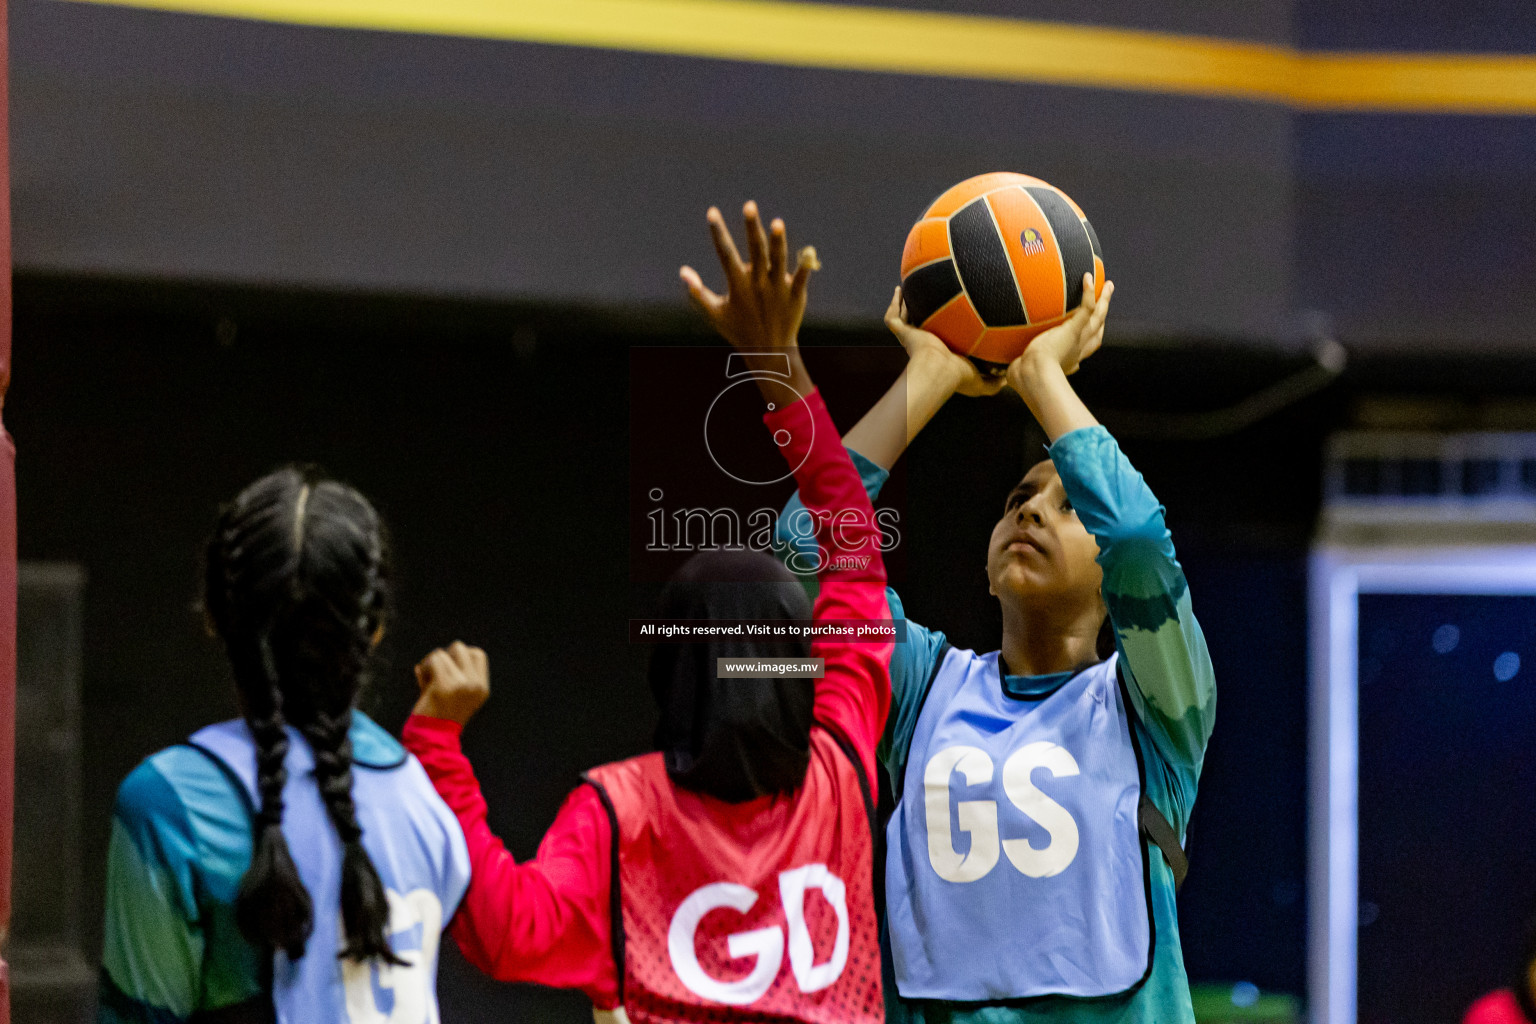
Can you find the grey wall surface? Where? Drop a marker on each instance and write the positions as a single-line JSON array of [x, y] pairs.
[[164, 146], [173, 146], [1414, 232]]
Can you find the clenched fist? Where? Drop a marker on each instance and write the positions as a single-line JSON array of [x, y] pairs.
[[455, 683]]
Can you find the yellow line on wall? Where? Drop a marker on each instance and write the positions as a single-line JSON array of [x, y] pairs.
[[949, 45], [1423, 82]]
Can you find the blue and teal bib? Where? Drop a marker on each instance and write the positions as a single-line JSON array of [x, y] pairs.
[[416, 845], [1015, 867]]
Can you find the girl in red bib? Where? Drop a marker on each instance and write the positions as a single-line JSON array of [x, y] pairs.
[[726, 877]]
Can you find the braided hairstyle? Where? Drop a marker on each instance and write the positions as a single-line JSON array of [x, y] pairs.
[[297, 586]]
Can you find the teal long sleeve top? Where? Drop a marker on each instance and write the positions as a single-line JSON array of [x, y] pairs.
[[181, 843]]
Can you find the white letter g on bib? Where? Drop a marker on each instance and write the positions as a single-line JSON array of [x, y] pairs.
[[767, 944]]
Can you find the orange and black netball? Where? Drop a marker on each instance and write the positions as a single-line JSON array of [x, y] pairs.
[[996, 260]]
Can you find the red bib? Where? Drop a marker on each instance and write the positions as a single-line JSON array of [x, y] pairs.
[[744, 912]]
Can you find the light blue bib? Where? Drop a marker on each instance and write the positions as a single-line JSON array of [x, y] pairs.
[[1014, 867], [417, 847]]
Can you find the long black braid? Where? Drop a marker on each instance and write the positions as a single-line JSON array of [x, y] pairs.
[[297, 585]]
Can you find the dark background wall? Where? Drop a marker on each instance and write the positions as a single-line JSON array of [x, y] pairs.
[[163, 145], [1479, 26], [1409, 227], [185, 147], [494, 439], [176, 146], [1411, 232]]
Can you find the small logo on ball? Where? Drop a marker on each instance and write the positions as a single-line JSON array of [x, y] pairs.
[[1033, 244]]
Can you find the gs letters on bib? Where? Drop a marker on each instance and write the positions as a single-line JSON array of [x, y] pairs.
[[1011, 807]]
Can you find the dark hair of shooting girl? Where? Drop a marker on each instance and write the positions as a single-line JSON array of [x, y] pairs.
[[297, 586]]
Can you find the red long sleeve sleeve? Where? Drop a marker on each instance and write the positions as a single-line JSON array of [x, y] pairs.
[[854, 695], [544, 920]]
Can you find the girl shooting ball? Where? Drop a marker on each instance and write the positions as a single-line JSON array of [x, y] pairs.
[[1042, 789]]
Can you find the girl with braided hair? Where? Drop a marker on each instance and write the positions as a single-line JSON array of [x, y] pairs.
[[293, 863]]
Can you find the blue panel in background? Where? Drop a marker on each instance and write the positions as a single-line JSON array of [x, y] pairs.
[[1447, 780], [1242, 911]]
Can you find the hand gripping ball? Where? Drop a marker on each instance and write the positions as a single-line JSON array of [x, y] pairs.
[[996, 260]]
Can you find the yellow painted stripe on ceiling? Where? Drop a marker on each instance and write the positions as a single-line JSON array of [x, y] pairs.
[[930, 43]]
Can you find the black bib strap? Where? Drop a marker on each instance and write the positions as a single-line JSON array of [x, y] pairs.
[[1151, 822], [846, 746], [1154, 826], [615, 889]]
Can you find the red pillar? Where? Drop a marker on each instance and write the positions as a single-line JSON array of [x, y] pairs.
[[7, 532]]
